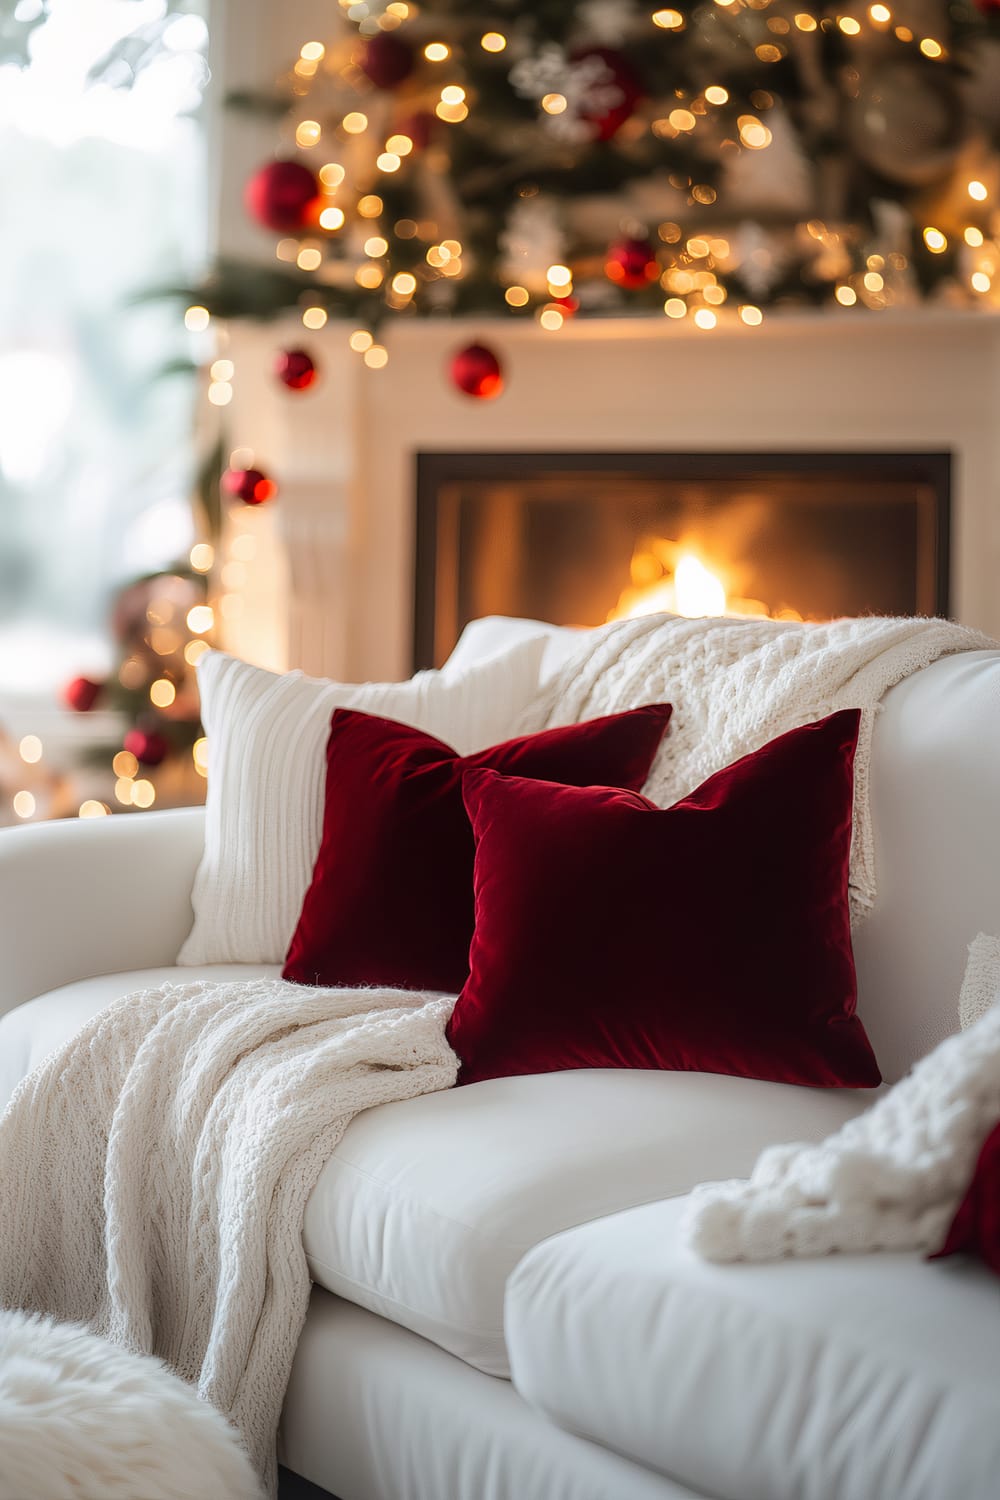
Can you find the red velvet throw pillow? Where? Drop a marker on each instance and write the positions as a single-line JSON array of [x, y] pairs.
[[391, 896], [975, 1229], [713, 935]]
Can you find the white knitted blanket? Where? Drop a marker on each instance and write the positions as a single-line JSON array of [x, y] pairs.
[[154, 1172], [735, 684], [890, 1179]]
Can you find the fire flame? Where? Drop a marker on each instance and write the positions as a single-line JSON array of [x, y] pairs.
[[670, 577]]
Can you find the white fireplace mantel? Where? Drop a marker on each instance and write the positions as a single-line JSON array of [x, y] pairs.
[[332, 588]]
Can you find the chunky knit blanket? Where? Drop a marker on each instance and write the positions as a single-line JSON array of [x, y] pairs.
[[890, 1179], [154, 1173], [735, 684]]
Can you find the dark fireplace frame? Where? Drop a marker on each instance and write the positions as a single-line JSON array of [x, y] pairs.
[[435, 470]]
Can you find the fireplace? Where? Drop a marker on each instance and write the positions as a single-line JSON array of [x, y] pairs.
[[581, 538]]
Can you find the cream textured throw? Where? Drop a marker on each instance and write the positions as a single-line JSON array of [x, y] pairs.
[[154, 1172], [735, 684], [890, 1179]]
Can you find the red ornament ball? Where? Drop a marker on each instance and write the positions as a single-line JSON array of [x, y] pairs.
[[477, 372], [296, 369], [252, 486], [149, 747], [614, 93], [631, 263], [387, 60], [82, 694], [281, 196]]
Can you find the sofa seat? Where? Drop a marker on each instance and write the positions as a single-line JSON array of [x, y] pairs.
[[847, 1378], [427, 1205]]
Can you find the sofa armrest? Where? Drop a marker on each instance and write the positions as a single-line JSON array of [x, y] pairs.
[[91, 896]]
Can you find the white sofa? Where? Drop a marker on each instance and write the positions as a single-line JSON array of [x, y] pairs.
[[502, 1310]]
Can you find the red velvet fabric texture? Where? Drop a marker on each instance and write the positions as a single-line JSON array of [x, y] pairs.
[[975, 1229], [712, 936], [391, 896]]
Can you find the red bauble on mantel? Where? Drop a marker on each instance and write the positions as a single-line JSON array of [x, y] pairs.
[[281, 196], [615, 94], [252, 486], [149, 746], [477, 372], [631, 263], [81, 694], [296, 368], [386, 59]]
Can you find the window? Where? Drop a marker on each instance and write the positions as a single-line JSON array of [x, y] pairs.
[[104, 198]]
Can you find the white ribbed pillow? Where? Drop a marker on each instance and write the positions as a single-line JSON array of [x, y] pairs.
[[267, 738]]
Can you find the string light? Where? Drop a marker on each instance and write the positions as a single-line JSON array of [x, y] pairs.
[[930, 48], [493, 41], [849, 26], [675, 307], [377, 357], [974, 237], [551, 319], [751, 316], [935, 241], [194, 650], [360, 340], [23, 804], [220, 393], [200, 619], [199, 754], [980, 281], [516, 296], [880, 14], [123, 790], [716, 94], [197, 319], [93, 809], [332, 174], [668, 20], [222, 369], [978, 190], [314, 317], [30, 749], [307, 133], [846, 296], [437, 52], [332, 218], [143, 794], [355, 123], [554, 104], [162, 692], [125, 764], [705, 318], [309, 258]]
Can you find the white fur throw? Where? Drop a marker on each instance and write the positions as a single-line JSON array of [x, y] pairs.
[[890, 1179], [735, 684], [83, 1420], [154, 1172]]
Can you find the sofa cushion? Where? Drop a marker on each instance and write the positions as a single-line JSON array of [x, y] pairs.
[[427, 1205], [710, 936], [846, 1378]]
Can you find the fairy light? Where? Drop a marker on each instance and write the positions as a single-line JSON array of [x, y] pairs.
[[197, 319], [93, 809], [309, 258], [199, 754], [404, 284], [560, 276], [30, 749], [880, 14], [675, 307], [978, 190], [554, 104], [705, 318], [370, 276], [751, 315], [935, 241], [516, 296], [846, 296], [125, 764], [377, 357], [682, 119], [123, 789], [930, 48], [355, 123], [376, 245], [493, 41], [716, 94], [388, 161], [222, 369], [698, 248], [312, 52], [162, 692], [437, 52], [143, 794], [399, 145], [974, 237], [753, 134], [452, 93], [23, 804], [194, 651], [873, 281], [314, 318], [307, 133], [849, 26], [200, 618], [286, 249], [980, 281], [668, 19], [332, 174], [332, 218], [220, 393], [370, 206], [360, 340], [805, 22], [551, 319]]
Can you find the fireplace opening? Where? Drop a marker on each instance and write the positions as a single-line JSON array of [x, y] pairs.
[[578, 539]]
